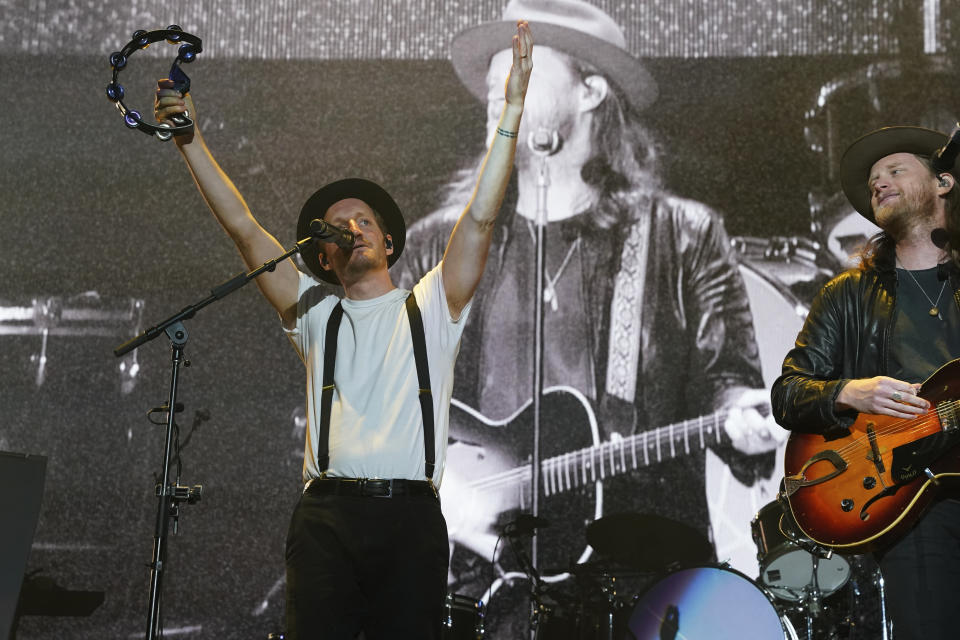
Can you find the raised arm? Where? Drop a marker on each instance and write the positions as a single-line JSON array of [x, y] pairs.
[[256, 245], [469, 244]]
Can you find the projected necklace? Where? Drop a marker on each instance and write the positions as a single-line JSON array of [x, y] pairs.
[[549, 287], [934, 306]]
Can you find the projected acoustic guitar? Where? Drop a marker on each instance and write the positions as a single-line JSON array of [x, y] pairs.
[[493, 478], [857, 492]]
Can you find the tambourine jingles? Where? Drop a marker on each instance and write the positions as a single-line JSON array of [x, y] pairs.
[[189, 47]]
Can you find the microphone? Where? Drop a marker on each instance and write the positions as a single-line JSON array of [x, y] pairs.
[[323, 230], [944, 157], [544, 142]]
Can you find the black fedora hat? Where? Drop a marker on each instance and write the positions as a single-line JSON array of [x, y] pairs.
[[860, 157], [370, 192], [574, 27]]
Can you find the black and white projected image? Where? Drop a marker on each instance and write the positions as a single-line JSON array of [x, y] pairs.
[[687, 173]]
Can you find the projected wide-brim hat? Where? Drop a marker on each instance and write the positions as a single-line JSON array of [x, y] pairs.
[[370, 192], [574, 27], [863, 154]]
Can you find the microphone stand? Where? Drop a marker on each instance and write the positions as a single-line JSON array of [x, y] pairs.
[[169, 496], [543, 143], [538, 610]]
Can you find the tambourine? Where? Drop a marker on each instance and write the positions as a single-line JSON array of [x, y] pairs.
[[190, 46]]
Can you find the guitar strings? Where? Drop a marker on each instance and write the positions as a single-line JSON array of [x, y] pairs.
[[919, 424], [575, 459]]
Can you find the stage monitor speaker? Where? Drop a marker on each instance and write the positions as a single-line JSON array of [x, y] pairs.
[[21, 490]]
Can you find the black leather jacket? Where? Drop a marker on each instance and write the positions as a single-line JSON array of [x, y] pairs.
[[846, 336]]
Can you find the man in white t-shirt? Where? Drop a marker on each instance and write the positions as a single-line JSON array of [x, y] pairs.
[[367, 545]]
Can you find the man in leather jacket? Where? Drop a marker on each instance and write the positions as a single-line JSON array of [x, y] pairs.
[[874, 334]]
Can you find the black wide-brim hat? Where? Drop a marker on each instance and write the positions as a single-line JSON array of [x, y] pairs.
[[574, 27], [370, 192], [860, 157]]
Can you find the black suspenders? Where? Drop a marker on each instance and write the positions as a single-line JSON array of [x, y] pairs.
[[326, 392], [423, 379]]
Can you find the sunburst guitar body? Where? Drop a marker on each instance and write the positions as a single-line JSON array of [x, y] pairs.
[[859, 492]]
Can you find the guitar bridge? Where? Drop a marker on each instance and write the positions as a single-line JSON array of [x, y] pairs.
[[792, 483]]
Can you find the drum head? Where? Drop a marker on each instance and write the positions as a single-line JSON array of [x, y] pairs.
[[705, 602], [789, 573]]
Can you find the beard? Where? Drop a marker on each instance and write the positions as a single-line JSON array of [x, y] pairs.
[[360, 262], [910, 211]]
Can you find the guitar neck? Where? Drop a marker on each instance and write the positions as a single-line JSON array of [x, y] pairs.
[[590, 464]]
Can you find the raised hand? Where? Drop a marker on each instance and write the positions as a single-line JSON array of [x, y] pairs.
[[169, 102], [519, 77]]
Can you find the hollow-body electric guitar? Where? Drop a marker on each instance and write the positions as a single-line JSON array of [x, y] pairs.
[[857, 492]]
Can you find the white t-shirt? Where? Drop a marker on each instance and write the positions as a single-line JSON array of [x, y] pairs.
[[376, 425]]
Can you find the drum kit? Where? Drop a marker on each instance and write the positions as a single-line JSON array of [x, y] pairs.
[[651, 578]]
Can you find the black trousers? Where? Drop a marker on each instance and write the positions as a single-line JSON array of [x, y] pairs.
[[921, 575], [361, 563]]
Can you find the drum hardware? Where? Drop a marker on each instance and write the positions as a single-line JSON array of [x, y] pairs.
[[854, 612], [887, 623], [523, 527], [595, 611], [463, 618]]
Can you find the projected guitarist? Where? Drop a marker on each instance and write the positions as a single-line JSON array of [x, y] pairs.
[[872, 336], [646, 314]]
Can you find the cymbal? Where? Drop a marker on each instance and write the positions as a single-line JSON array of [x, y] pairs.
[[648, 542]]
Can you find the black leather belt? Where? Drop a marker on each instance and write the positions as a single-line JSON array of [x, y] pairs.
[[372, 487]]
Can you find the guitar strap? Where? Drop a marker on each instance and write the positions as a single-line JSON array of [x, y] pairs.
[[626, 312], [418, 337]]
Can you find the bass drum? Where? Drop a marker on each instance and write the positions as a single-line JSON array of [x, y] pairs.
[[707, 602]]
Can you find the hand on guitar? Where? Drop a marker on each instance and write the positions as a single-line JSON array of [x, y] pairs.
[[882, 396], [749, 431]]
